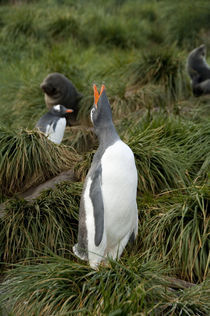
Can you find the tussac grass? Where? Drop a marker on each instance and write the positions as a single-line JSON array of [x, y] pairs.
[[28, 158], [164, 66], [57, 286], [185, 24], [176, 227], [49, 222], [166, 151], [138, 49]]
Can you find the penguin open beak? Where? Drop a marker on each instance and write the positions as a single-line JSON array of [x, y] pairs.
[[69, 111], [96, 94]]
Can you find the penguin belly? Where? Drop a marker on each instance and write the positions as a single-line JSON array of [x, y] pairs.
[[119, 189], [55, 132]]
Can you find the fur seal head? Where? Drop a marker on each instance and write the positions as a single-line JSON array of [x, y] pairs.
[[196, 61], [199, 71], [60, 90]]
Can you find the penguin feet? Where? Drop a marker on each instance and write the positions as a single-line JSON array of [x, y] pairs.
[[105, 264], [96, 265]]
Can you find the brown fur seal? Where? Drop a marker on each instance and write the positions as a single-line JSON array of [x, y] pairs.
[[199, 71], [60, 90]]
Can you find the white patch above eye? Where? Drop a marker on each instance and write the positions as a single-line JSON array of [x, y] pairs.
[[57, 107], [91, 114]]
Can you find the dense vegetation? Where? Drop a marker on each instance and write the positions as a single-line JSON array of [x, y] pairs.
[[139, 50]]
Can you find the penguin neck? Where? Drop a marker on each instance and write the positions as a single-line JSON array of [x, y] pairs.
[[107, 135]]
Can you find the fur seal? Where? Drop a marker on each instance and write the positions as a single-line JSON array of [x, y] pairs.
[[60, 90], [199, 71]]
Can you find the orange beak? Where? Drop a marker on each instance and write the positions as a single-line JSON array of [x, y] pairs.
[[96, 94], [69, 111]]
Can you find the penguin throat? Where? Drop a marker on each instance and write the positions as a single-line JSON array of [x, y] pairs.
[[106, 134]]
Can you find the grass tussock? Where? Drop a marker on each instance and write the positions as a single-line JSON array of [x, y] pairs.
[[149, 96], [63, 26], [184, 22], [21, 22], [175, 226], [50, 222], [82, 139], [160, 142], [66, 287], [28, 157], [83, 166], [163, 66], [158, 165]]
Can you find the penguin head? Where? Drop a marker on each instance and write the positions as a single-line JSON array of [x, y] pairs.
[[60, 110], [101, 114]]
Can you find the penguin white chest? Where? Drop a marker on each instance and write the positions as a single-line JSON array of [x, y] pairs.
[[119, 188], [55, 133]]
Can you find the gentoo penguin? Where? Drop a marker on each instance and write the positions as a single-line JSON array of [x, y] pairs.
[[60, 90], [108, 215], [199, 71], [53, 123]]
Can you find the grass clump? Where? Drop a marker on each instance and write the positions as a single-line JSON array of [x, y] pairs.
[[159, 166], [20, 21], [198, 144], [50, 222], [160, 141], [53, 285], [114, 33], [21, 95], [114, 29], [61, 27], [175, 226], [184, 22], [149, 97], [162, 65], [28, 157], [82, 139]]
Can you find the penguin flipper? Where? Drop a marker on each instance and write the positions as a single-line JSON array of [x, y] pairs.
[[98, 205]]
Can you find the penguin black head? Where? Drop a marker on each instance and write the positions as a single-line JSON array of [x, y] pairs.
[[101, 114], [60, 110]]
